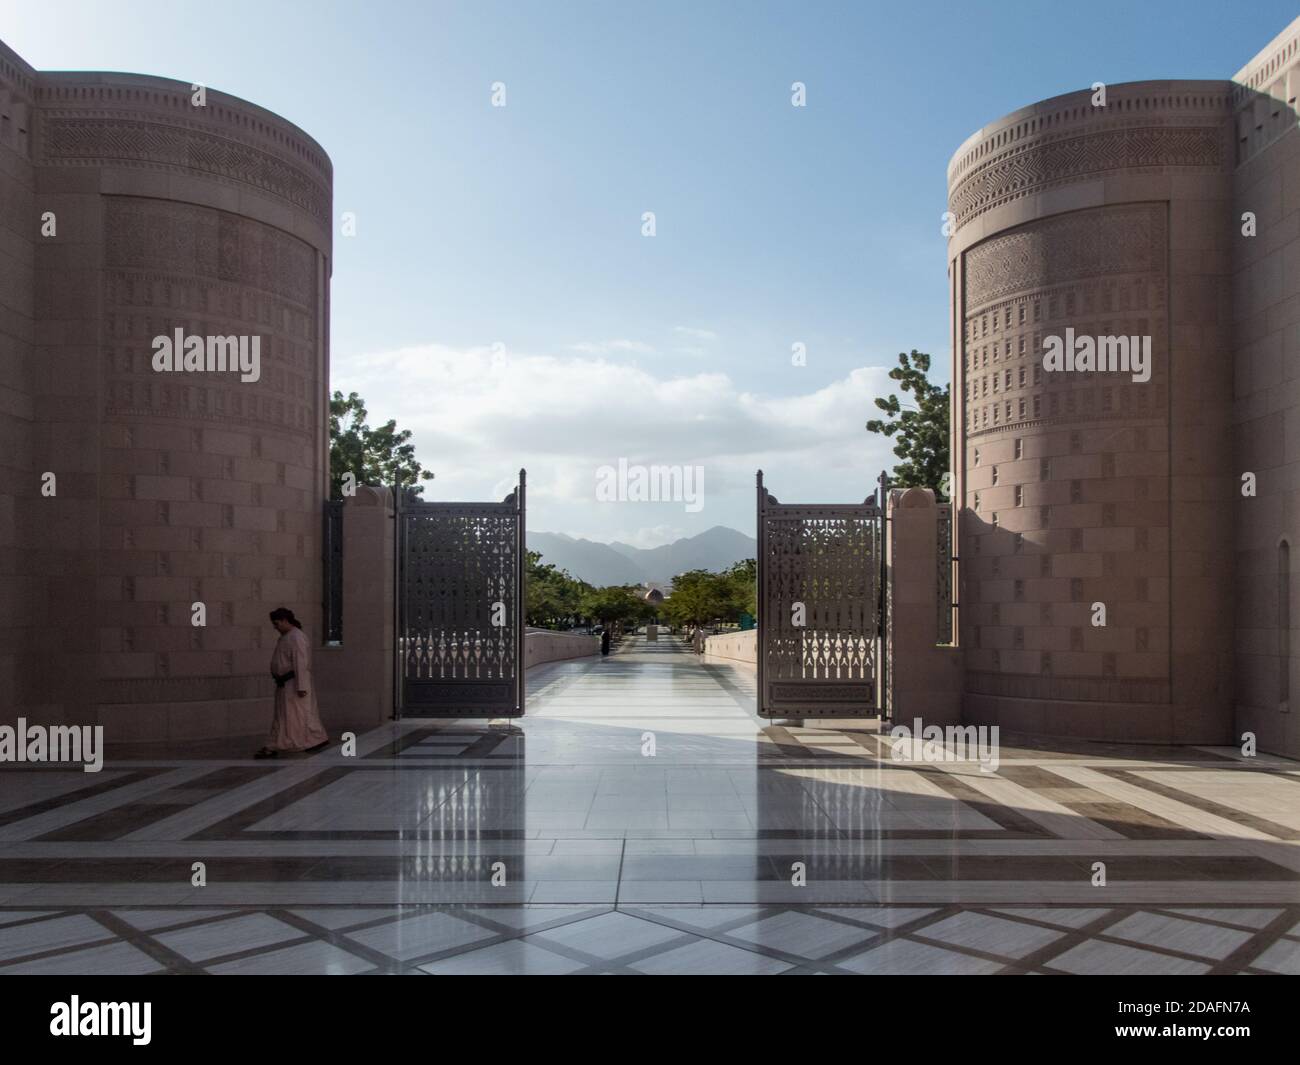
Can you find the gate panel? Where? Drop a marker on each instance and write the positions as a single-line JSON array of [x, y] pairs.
[[819, 565], [460, 608]]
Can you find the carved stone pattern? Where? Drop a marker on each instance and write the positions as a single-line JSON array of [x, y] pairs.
[[208, 272], [1101, 242], [205, 242], [1101, 270], [1023, 171], [282, 397], [82, 140]]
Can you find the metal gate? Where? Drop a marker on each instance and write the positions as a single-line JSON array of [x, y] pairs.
[[821, 610], [460, 615]]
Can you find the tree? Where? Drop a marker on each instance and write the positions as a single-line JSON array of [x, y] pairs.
[[377, 457], [922, 430], [700, 597], [616, 603], [554, 599], [743, 579]]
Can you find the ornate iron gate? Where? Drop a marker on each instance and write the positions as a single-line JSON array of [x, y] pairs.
[[460, 595], [820, 607]]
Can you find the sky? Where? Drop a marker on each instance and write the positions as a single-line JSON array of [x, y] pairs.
[[500, 297]]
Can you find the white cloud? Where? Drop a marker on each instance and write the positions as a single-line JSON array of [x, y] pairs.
[[604, 347], [476, 418], [697, 334]]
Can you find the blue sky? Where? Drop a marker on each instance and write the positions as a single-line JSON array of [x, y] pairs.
[[521, 226]]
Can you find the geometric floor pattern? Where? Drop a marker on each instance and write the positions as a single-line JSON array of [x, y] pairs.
[[641, 819], [669, 939]]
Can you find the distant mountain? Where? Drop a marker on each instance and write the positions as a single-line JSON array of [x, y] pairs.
[[587, 560], [619, 563]]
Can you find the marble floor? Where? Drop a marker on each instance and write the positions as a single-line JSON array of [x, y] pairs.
[[641, 819]]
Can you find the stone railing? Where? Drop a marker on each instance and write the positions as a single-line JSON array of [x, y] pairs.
[[736, 646], [542, 645]]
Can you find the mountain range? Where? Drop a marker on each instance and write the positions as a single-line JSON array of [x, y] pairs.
[[618, 563]]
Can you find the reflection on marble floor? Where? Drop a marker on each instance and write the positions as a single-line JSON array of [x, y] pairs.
[[559, 844]]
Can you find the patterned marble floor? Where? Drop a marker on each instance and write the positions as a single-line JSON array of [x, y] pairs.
[[642, 819]]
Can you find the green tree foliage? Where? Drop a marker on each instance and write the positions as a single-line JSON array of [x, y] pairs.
[[702, 598], [921, 429], [554, 599], [616, 604], [379, 457], [743, 577]]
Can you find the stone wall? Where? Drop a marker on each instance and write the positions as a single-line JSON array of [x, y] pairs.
[[1091, 488], [171, 489], [543, 646], [1133, 218], [924, 679], [19, 480], [1266, 412], [734, 646]]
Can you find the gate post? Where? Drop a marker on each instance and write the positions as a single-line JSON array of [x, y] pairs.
[[760, 620], [521, 594], [925, 679], [355, 676]]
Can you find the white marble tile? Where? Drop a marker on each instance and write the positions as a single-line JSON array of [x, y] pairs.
[[515, 957], [13, 916], [335, 917], [1176, 933], [1095, 958], [903, 957], [883, 916], [608, 936], [304, 959], [231, 936], [1282, 957], [705, 957], [78, 808], [531, 917], [1071, 917], [992, 935], [17, 940], [117, 959], [1250, 918], [150, 919], [802, 934], [696, 916], [415, 936]]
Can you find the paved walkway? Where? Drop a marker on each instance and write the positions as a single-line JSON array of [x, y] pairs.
[[642, 819]]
